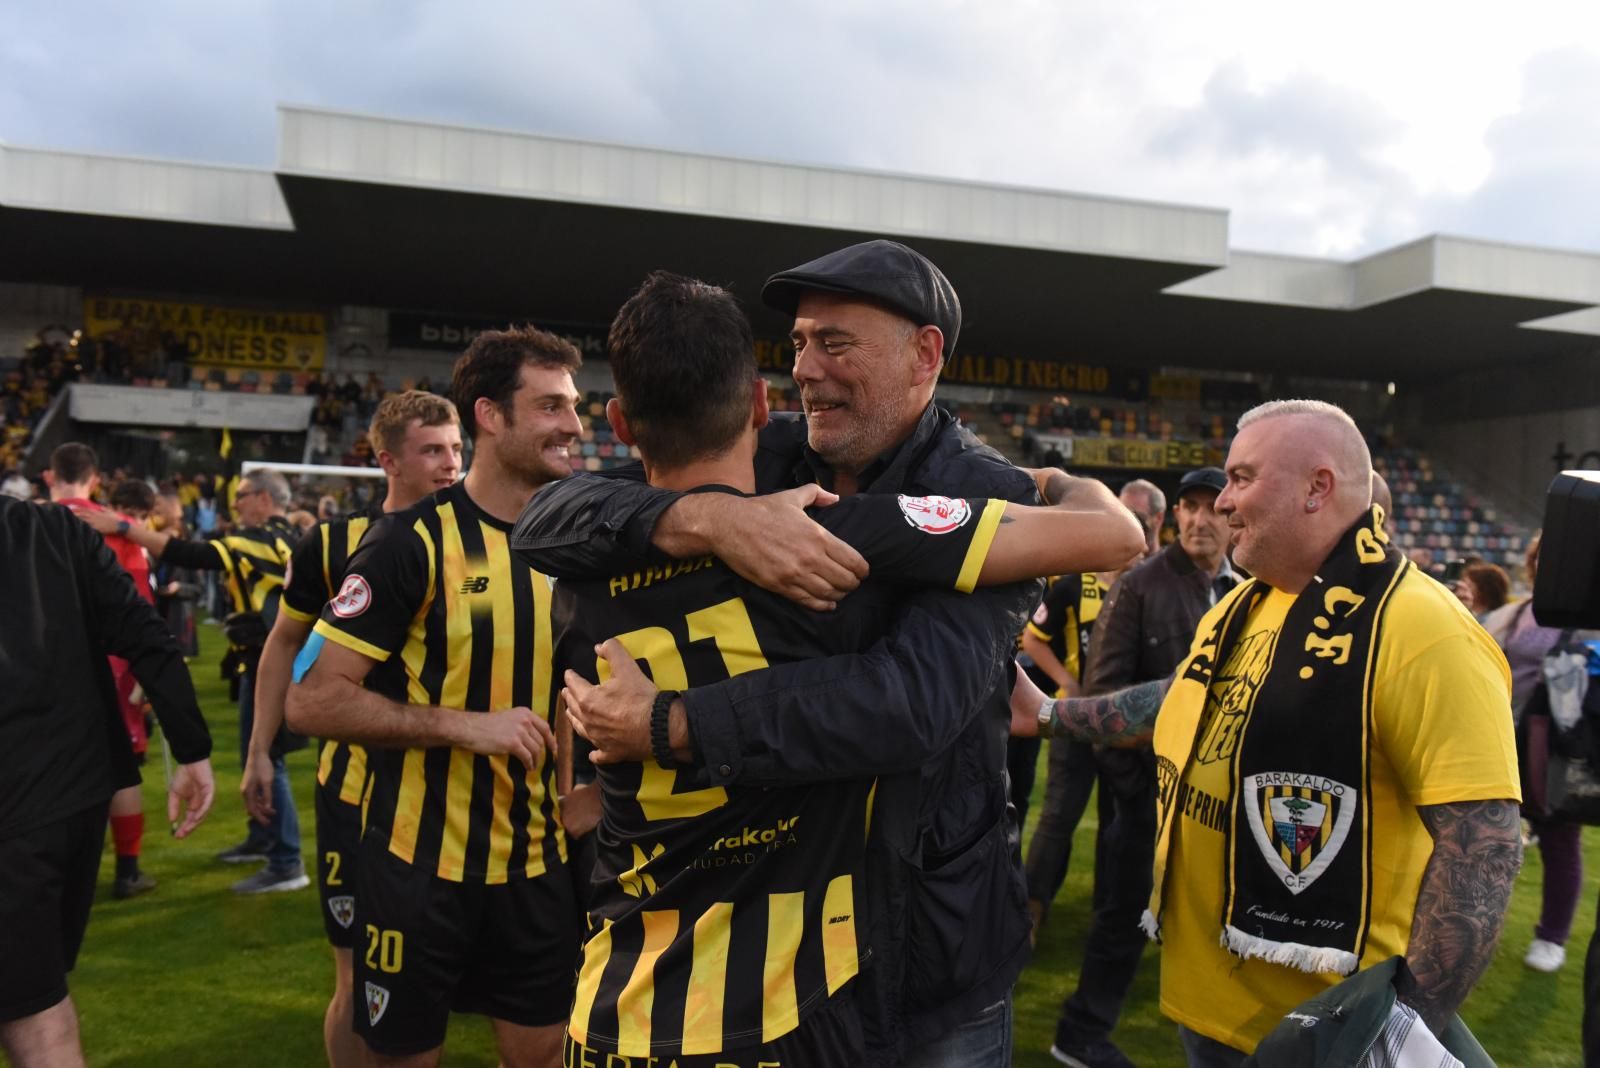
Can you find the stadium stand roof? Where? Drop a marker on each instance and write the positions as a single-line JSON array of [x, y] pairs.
[[416, 215]]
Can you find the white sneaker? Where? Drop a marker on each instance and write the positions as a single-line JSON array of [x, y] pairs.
[[1545, 956]]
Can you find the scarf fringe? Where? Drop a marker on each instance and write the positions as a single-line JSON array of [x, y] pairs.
[[1313, 959], [1152, 929]]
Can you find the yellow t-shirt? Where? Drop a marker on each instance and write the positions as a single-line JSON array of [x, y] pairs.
[[1442, 715]]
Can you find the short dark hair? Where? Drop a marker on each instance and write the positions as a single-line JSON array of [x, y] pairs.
[[132, 495], [683, 357], [492, 367], [74, 462]]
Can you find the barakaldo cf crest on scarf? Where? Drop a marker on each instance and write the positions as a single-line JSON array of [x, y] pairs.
[[1299, 822]]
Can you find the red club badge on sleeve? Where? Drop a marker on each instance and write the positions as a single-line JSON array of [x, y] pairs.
[[353, 598], [935, 515]]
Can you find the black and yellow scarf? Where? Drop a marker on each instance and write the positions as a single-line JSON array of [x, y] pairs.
[[1299, 824]]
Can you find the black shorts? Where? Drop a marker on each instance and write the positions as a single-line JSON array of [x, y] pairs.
[[338, 840], [45, 894], [427, 946], [829, 1035]]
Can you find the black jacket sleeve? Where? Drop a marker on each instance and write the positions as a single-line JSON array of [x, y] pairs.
[[195, 555], [891, 707], [591, 525], [127, 625], [886, 710]]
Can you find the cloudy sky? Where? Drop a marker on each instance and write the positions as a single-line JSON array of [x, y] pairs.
[[1325, 129]]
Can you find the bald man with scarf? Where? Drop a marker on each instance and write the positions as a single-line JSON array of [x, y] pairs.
[[1337, 777]]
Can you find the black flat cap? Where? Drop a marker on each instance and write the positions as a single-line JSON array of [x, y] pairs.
[[1210, 478], [886, 272]]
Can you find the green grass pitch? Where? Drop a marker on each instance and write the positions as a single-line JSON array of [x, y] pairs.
[[192, 974]]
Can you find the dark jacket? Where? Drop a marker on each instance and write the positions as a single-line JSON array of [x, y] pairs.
[[1338, 1027], [1148, 622], [69, 605], [925, 710], [1143, 633]]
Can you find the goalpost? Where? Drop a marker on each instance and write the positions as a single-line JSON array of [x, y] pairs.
[[308, 481]]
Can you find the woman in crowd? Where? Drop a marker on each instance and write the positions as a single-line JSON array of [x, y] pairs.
[[1525, 643], [1483, 588]]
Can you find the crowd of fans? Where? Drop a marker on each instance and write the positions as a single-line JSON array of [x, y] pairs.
[[1436, 519]]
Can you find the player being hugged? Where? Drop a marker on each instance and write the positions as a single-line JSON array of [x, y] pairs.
[[726, 924]]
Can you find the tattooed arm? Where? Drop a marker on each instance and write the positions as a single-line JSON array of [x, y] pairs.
[[1123, 718], [1461, 904]]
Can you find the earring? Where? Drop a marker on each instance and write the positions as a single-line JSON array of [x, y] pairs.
[[1311, 506]]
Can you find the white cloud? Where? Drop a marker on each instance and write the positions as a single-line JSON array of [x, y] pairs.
[[1325, 130]]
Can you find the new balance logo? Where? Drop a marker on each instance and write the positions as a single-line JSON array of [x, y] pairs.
[[476, 584]]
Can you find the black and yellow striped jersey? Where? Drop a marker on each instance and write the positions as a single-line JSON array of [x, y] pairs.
[[254, 559], [722, 916], [1065, 619], [314, 573], [435, 596]]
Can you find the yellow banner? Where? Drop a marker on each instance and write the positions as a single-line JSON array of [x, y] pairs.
[[1145, 455], [218, 337]]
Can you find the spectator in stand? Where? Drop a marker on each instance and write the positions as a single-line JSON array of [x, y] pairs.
[[372, 394], [1525, 644], [176, 351], [1483, 588]]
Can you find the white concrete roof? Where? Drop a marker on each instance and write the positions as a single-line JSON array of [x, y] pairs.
[[168, 190], [318, 143], [333, 144], [1439, 262]]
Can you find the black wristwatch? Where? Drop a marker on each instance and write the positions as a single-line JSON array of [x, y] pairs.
[[122, 527], [660, 734]]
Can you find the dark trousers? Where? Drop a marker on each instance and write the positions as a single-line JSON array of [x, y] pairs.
[[1122, 878], [1022, 758], [1591, 999], [1069, 780], [281, 833]]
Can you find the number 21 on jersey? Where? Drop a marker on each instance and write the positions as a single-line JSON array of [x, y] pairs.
[[728, 624]]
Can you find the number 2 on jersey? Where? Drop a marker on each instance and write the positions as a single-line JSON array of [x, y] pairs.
[[728, 624]]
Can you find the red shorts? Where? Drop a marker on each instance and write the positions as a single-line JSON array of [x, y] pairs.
[[132, 714]]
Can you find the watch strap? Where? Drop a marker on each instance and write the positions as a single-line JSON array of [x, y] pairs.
[[1047, 717], [660, 734]]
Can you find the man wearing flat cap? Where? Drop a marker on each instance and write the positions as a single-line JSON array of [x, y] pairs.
[[1143, 631], [925, 710]]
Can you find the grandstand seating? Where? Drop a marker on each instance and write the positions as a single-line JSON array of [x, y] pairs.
[[1435, 512], [1432, 511]]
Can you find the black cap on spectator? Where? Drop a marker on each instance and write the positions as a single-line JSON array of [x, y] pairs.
[[886, 272], [1210, 478]]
